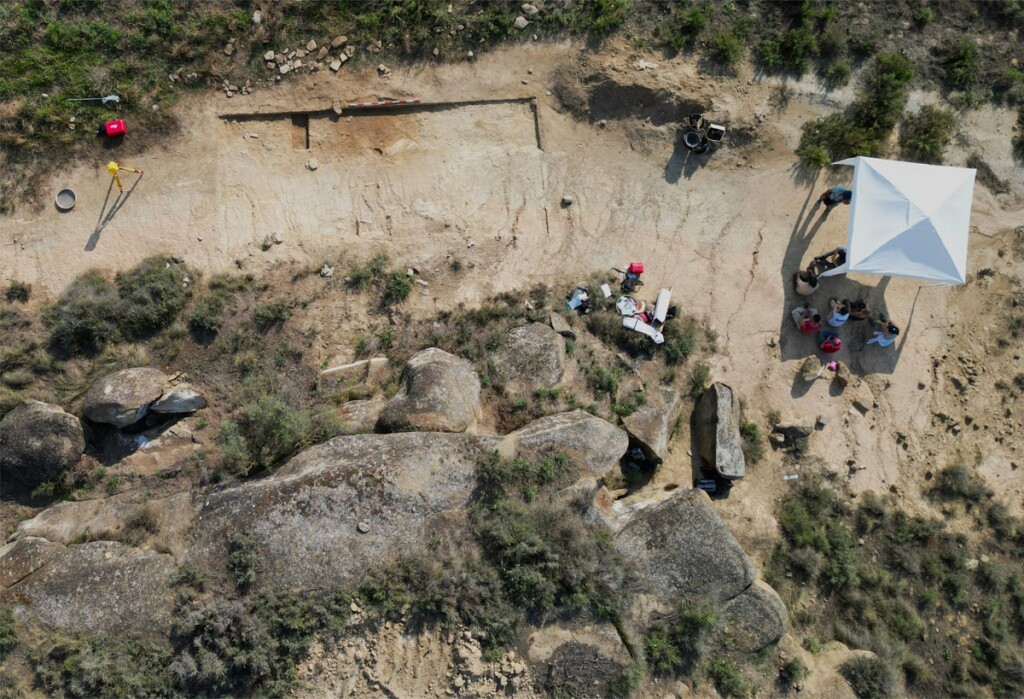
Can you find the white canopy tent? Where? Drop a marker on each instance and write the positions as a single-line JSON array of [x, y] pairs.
[[908, 220]]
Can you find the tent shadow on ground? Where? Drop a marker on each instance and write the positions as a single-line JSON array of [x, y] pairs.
[[856, 353]]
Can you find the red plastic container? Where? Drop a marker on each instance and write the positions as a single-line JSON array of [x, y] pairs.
[[635, 268], [117, 127]]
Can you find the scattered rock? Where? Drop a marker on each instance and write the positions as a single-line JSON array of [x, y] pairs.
[[285, 68], [520, 22], [383, 71], [567, 200], [180, 399], [311, 45], [124, 397], [268, 56], [438, 392], [595, 444], [793, 431], [336, 66], [312, 164], [822, 421], [561, 326], [326, 271], [360, 416], [529, 10], [229, 49], [811, 369], [717, 428], [363, 527], [650, 427], [257, 19], [38, 442], [322, 53], [843, 375], [339, 41]]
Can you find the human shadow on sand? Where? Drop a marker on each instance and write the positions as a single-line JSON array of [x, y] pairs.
[[861, 357]]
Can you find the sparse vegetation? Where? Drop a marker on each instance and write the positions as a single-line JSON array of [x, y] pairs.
[[960, 64], [8, 632], [93, 312], [726, 48], [925, 135], [870, 678], [139, 525], [674, 643], [18, 292]]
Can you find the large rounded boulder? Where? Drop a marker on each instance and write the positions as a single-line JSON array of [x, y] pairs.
[[38, 442], [438, 393], [124, 397]]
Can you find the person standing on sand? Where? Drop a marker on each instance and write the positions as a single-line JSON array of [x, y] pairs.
[[834, 196]]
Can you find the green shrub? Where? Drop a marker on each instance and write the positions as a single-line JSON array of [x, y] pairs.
[[18, 292], [189, 575], [923, 15], [92, 312], [753, 444], [208, 314], [837, 73], [727, 678], [812, 645], [797, 48], [680, 342], [725, 48], [673, 644], [97, 666], [607, 327], [152, 295], [794, 671], [268, 431], [686, 26], [86, 316], [397, 289], [699, 380], [957, 482], [243, 560], [769, 54], [870, 678], [925, 135], [1018, 139], [8, 632], [271, 314], [960, 64]]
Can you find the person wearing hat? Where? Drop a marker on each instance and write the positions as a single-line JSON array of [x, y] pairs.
[[886, 336]]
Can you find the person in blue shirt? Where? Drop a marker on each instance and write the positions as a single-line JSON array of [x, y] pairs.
[[836, 195]]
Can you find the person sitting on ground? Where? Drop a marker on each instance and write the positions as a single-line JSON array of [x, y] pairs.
[[840, 312], [859, 310], [829, 342], [886, 335], [830, 260], [807, 318], [834, 196], [806, 283]]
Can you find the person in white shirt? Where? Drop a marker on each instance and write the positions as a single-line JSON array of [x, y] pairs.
[[886, 336], [840, 312]]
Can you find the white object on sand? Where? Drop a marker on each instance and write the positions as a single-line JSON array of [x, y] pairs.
[[634, 323]]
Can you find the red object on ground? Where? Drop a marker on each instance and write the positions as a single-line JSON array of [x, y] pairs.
[[635, 268], [117, 127]]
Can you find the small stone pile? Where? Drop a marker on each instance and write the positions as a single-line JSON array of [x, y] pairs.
[[312, 57]]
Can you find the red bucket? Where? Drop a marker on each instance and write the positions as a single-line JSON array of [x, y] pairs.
[[117, 127], [635, 268]]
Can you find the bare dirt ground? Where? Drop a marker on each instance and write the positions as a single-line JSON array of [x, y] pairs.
[[475, 184]]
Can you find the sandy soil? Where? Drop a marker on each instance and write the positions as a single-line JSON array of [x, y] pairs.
[[474, 183]]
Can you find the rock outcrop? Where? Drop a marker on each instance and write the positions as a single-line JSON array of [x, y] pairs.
[[180, 399], [21, 558], [650, 427], [38, 442], [439, 393], [360, 416], [683, 549], [98, 586], [124, 397], [717, 430], [595, 444], [753, 619], [532, 357], [307, 519]]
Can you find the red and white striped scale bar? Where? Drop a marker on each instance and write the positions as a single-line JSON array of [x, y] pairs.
[[382, 103]]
